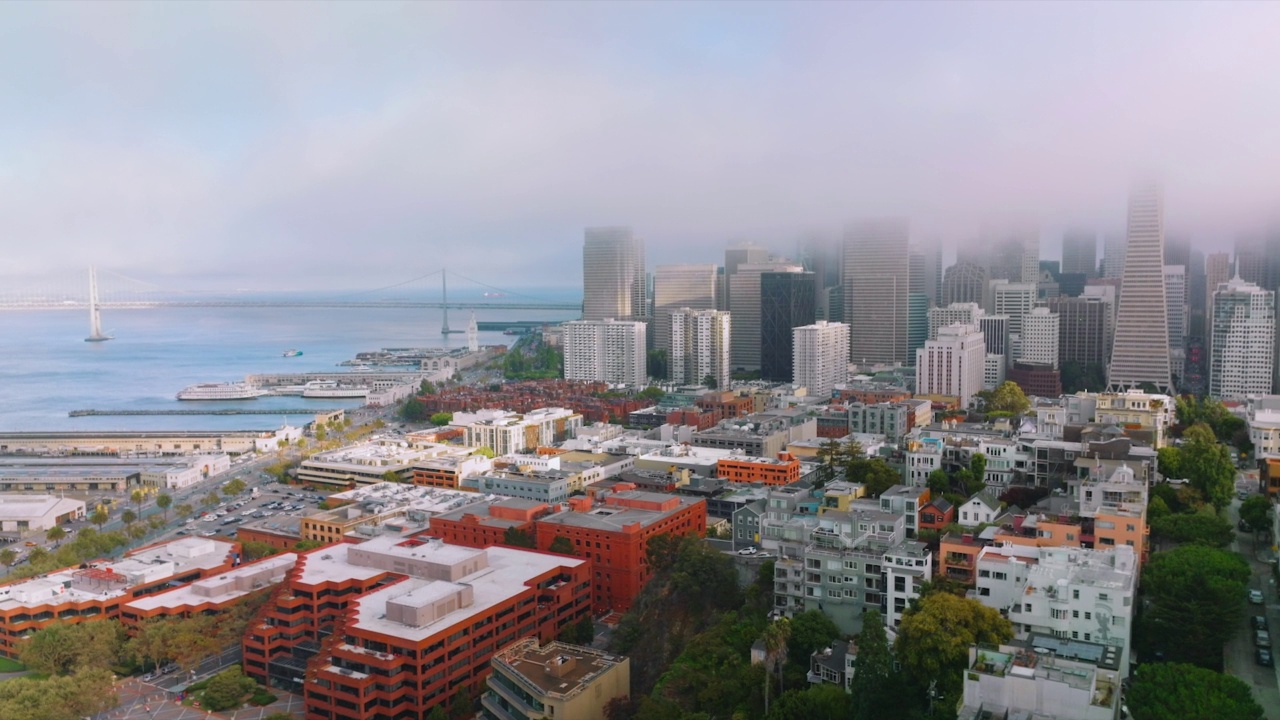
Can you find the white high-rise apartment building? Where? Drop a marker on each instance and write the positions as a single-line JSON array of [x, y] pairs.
[[877, 282], [953, 364], [744, 305], [1015, 301], [676, 287], [1217, 270], [1242, 358], [820, 356], [1140, 353], [955, 313], [700, 341], [1175, 293], [611, 351], [1114, 249], [613, 275], [1040, 330]]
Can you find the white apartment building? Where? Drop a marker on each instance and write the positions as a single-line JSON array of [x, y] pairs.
[[611, 351], [506, 432], [993, 368], [820, 356], [1154, 412], [962, 313], [1264, 426], [1040, 330], [700, 346], [953, 364], [1013, 299], [1044, 678], [1175, 293], [1242, 352]]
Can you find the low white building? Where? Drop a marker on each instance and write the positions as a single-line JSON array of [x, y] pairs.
[[32, 513], [978, 510], [1264, 425], [1061, 680], [188, 472]]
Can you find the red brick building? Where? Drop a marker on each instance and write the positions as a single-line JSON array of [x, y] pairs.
[[700, 418], [783, 470], [394, 627], [485, 524]]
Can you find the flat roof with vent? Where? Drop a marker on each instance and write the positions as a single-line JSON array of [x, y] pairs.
[[556, 669], [219, 589]]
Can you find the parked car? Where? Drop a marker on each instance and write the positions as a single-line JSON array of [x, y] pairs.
[[1255, 597], [1262, 656], [1259, 622], [748, 550], [1262, 639]]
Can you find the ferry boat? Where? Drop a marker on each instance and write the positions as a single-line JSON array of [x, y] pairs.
[[331, 389], [221, 391], [291, 353]]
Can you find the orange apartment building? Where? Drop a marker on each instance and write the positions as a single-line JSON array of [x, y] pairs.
[[486, 524], [783, 470], [102, 589], [393, 627], [729, 404], [958, 556], [1269, 477], [613, 531]]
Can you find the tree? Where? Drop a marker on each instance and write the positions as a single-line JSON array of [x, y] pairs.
[[55, 533], [775, 639], [138, 497], [255, 549], [1255, 511], [1207, 464], [392, 476], [413, 410], [934, 638], [876, 474], [484, 451], [939, 482], [831, 456], [305, 545], [872, 668], [811, 630], [128, 517], [656, 365], [1173, 691], [233, 487], [210, 500], [1076, 376], [1008, 398], [8, 557], [1204, 527], [226, 689], [978, 467], [652, 393], [441, 419], [164, 501], [561, 544], [84, 694], [1022, 496], [287, 716], [1169, 460], [515, 537], [99, 517], [579, 633], [710, 381], [61, 648], [426, 388], [185, 510], [1195, 604]]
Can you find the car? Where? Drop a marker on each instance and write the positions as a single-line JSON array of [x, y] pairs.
[[1262, 638], [1262, 656], [169, 669], [268, 513], [1242, 495], [208, 533], [183, 531], [1259, 622], [1255, 597], [748, 550]]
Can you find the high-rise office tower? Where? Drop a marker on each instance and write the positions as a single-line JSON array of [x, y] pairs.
[[611, 351], [680, 286], [1196, 295], [1175, 293], [964, 282], [734, 258], [1115, 248], [745, 306], [876, 278], [926, 272], [955, 313], [1251, 261], [1080, 252], [820, 255], [613, 275], [820, 356], [786, 302], [995, 333], [1140, 353], [917, 323], [1012, 299], [700, 346], [1082, 330], [953, 364], [1217, 270], [1014, 253], [1242, 359], [1040, 331]]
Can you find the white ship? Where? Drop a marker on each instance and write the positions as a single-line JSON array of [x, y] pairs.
[[331, 389], [221, 391]]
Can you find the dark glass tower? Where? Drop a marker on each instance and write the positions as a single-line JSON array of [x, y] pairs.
[[787, 301]]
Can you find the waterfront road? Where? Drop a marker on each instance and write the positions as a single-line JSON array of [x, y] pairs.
[[1240, 660]]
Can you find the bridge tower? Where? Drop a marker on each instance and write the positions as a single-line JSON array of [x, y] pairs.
[[95, 317], [444, 295]]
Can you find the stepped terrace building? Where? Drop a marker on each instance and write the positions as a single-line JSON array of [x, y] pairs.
[[101, 590], [213, 593], [395, 627]]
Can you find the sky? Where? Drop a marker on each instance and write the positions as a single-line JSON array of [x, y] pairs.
[[355, 145]]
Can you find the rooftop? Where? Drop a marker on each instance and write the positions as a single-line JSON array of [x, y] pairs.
[[223, 588], [23, 507], [558, 669]]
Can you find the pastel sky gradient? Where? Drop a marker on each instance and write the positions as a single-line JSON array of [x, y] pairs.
[[348, 143]]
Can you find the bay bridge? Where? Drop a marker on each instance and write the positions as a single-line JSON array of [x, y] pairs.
[[104, 290]]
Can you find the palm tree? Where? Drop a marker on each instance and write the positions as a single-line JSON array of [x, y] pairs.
[[128, 517], [138, 496], [55, 533], [163, 501], [99, 517], [775, 651]]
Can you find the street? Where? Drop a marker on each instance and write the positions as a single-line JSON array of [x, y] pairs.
[[1240, 660]]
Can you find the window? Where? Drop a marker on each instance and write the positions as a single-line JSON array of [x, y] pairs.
[[1075, 594]]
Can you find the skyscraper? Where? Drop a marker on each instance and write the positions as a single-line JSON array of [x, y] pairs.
[[786, 302], [1080, 252], [734, 258], [1114, 250], [1014, 253], [926, 272], [964, 282], [1175, 293], [1140, 354], [1082, 330], [1040, 330], [917, 323], [955, 313], [611, 351], [745, 304], [700, 346], [820, 356], [1217, 270], [953, 364], [877, 270], [613, 275], [1244, 334], [680, 286]]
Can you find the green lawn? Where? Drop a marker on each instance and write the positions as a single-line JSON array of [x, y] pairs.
[[7, 665]]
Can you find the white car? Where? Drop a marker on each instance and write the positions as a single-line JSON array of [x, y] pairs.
[[748, 551], [209, 518], [1255, 597]]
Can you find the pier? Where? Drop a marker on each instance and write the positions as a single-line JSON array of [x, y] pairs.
[[209, 411]]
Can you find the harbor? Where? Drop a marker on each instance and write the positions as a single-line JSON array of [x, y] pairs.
[[210, 411]]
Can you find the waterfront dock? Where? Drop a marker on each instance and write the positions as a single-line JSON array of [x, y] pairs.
[[209, 411]]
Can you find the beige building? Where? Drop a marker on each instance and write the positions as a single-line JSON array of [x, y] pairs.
[[680, 286], [505, 432], [557, 680], [876, 278], [613, 274]]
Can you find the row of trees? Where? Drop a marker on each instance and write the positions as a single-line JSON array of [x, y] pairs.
[[1226, 426], [848, 461], [1204, 462]]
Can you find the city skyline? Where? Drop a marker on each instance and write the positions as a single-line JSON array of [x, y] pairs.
[[222, 141]]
